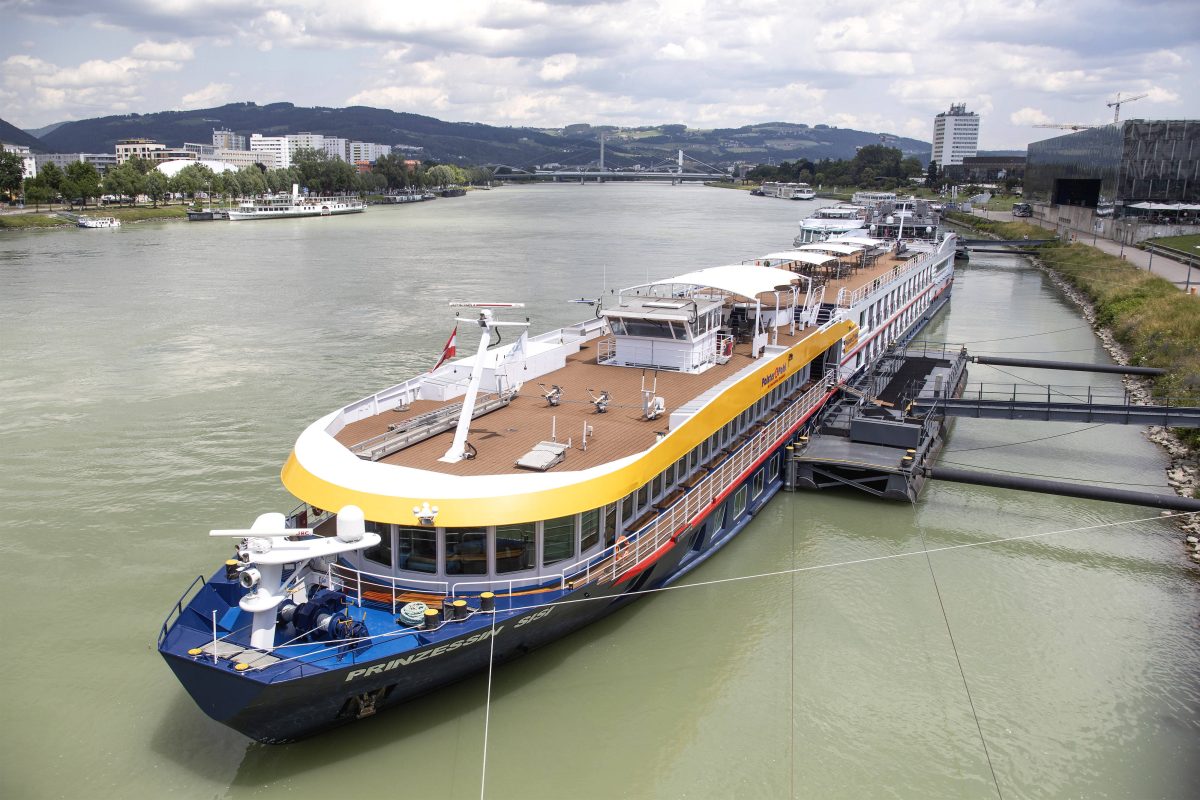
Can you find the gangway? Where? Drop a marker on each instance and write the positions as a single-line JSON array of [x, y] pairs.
[[1050, 403]]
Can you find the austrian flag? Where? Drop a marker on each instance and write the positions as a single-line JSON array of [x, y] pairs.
[[448, 350]]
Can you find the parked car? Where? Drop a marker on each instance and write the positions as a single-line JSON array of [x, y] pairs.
[[1022, 210]]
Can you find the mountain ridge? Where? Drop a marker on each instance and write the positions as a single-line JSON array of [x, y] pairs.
[[480, 143]]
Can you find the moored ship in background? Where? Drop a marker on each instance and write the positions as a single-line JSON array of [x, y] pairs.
[[295, 205], [786, 191], [504, 499]]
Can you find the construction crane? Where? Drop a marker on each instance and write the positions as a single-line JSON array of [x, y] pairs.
[[1115, 105], [1067, 127]]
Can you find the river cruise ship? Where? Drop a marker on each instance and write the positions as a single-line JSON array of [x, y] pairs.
[[468, 515], [295, 205]]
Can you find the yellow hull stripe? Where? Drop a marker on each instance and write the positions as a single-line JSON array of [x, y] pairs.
[[587, 494]]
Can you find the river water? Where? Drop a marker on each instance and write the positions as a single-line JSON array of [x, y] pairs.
[[154, 377]]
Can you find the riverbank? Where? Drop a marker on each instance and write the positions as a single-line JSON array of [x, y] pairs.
[[125, 215], [1142, 319]]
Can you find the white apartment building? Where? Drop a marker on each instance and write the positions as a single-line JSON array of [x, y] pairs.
[[141, 148], [274, 151], [228, 140], [368, 151], [234, 157], [955, 135], [28, 162]]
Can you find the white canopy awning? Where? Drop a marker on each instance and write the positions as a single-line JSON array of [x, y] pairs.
[[1147, 206], [747, 281], [797, 255], [841, 249], [862, 240]]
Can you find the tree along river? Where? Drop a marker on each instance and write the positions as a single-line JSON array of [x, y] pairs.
[[153, 379]]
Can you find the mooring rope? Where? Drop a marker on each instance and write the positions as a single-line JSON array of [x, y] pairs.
[[487, 708], [958, 660]]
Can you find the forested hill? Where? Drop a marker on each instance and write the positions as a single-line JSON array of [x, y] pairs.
[[476, 143], [11, 134]]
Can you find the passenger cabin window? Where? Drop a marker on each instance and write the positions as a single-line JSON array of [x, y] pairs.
[[558, 540], [610, 524], [516, 547], [759, 477], [466, 551], [416, 549], [589, 529], [739, 504]]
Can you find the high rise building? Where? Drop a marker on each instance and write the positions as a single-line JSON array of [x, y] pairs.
[[274, 149], [955, 135], [228, 140]]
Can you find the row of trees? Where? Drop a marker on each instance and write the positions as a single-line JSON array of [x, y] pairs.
[[874, 166], [317, 171]]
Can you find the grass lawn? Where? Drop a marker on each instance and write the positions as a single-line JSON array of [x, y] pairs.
[[1189, 245], [14, 221]]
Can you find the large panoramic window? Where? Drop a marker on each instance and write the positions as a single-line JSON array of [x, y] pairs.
[[558, 540], [416, 549], [589, 529], [382, 552], [516, 547], [466, 551], [654, 328]]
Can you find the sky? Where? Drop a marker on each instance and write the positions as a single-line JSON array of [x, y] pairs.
[[887, 67]]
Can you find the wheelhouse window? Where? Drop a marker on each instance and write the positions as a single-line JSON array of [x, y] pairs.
[[516, 547], [558, 540], [416, 549], [466, 551], [382, 552]]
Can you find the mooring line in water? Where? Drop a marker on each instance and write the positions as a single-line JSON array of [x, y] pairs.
[[962, 673], [487, 708], [852, 562]]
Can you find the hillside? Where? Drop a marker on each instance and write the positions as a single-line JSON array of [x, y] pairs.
[[477, 143], [11, 134]]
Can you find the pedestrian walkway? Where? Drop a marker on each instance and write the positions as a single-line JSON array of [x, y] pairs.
[[1185, 276]]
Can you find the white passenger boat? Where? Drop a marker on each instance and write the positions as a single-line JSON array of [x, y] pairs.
[[505, 499], [84, 221], [787, 191], [295, 205]]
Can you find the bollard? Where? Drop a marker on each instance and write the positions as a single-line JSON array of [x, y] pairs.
[[458, 609], [432, 618], [487, 601]]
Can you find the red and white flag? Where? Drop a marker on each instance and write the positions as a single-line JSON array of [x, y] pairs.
[[448, 350]]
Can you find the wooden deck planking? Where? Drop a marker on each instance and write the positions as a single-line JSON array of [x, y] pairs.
[[503, 436]]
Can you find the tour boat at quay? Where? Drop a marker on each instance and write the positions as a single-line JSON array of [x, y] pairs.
[[473, 513], [786, 191], [84, 221], [294, 205]]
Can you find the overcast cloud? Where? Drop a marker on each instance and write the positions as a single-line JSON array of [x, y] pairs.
[[880, 66]]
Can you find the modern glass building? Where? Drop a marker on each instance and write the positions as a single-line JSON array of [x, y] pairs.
[[1134, 161]]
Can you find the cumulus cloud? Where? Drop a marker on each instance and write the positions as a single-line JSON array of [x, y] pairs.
[[1028, 116], [548, 62], [214, 94]]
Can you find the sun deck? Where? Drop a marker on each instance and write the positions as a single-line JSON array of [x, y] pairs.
[[502, 436]]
